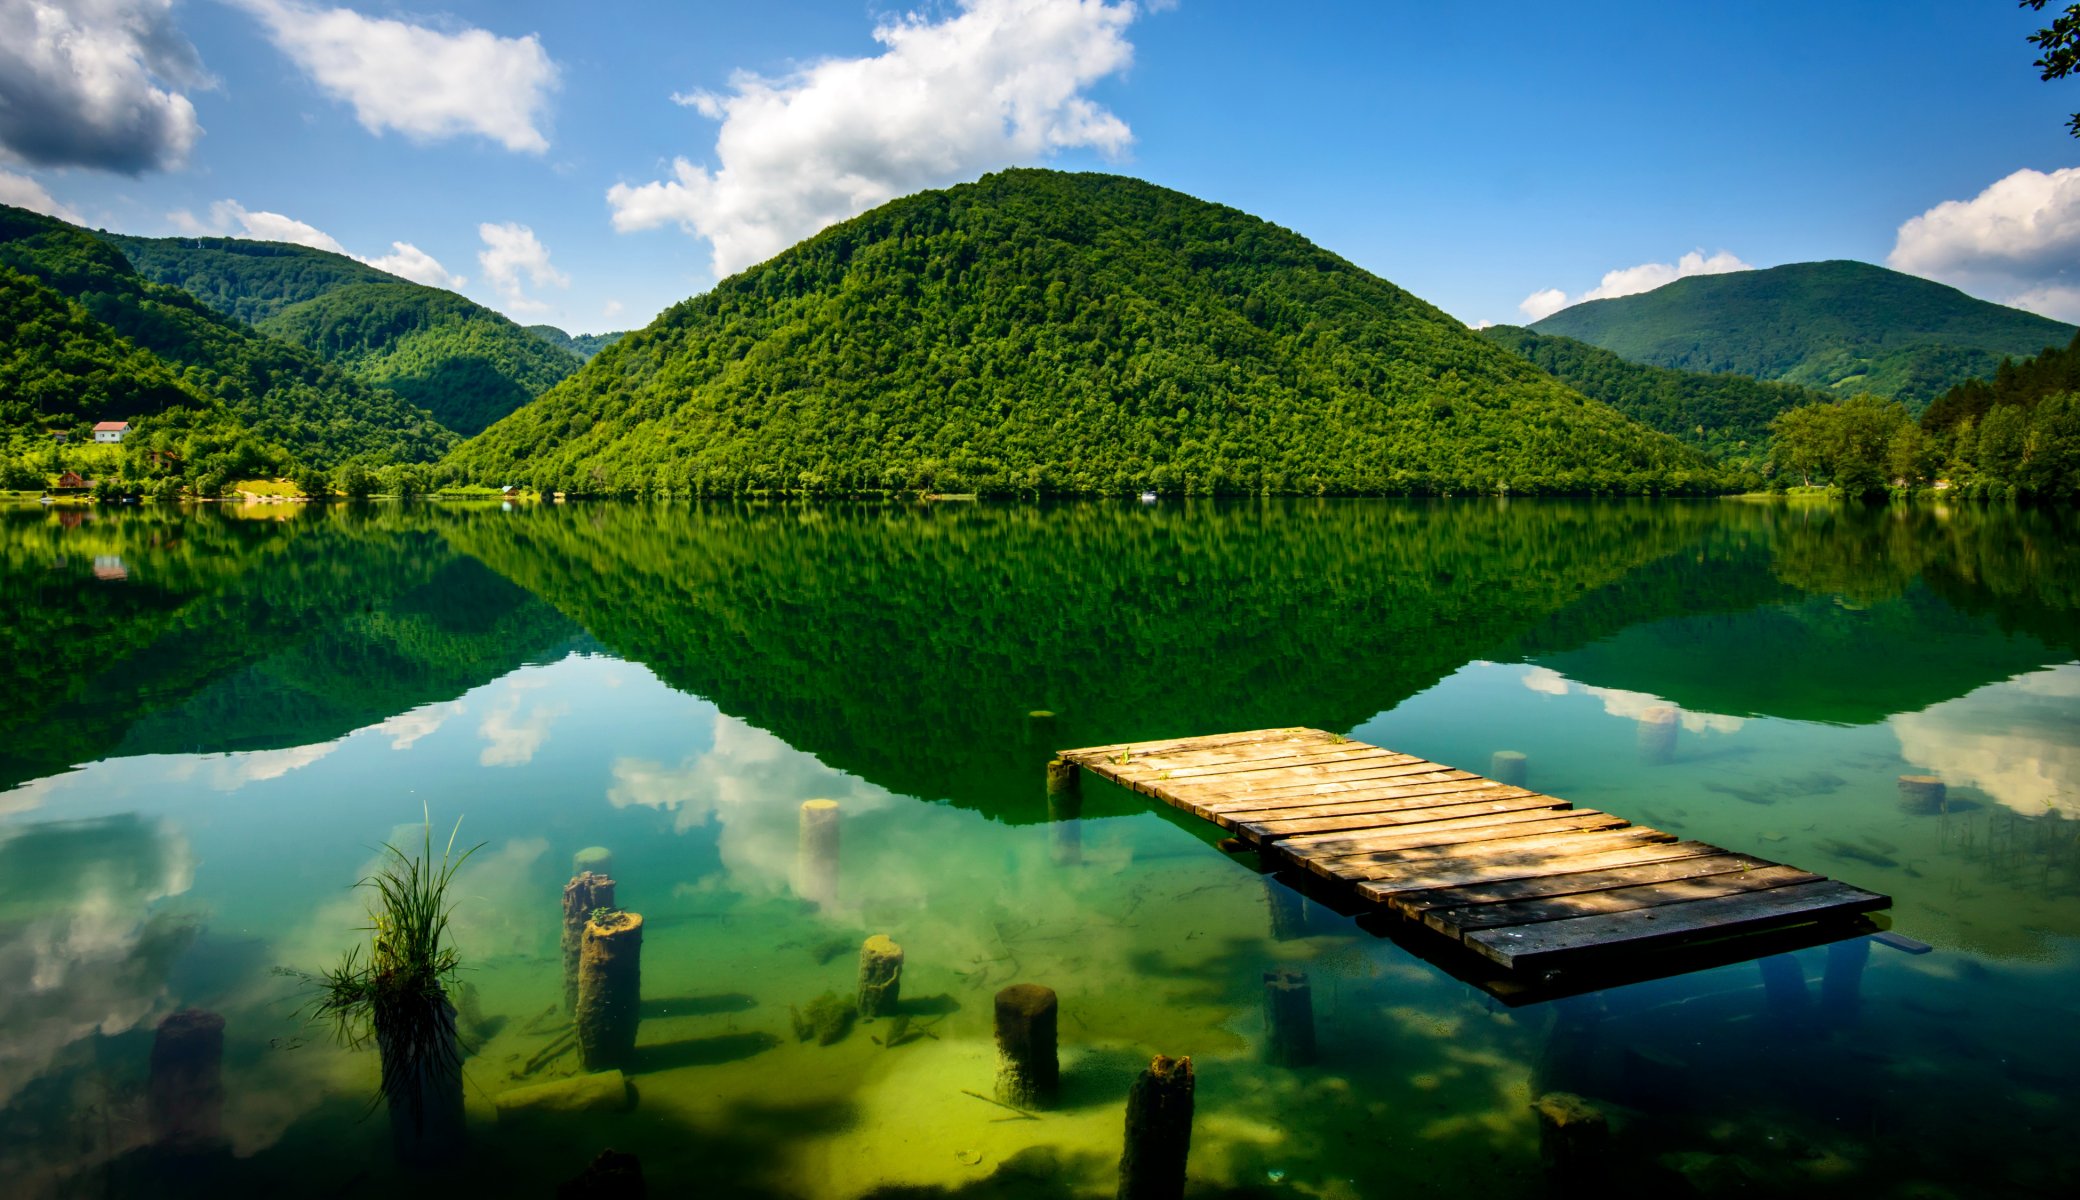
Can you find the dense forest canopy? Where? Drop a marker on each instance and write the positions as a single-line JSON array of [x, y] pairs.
[[584, 345], [1725, 415], [1043, 332], [1845, 327], [249, 280]]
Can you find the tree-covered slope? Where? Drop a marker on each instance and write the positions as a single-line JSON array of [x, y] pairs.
[[1037, 331], [462, 362], [1847, 327], [1725, 415], [249, 280], [280, 393], [584, 345], [60, 368]]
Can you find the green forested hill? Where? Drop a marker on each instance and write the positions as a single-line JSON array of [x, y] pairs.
[[1045, 332], [278, 392], [462, 362], [1845, 327], [249, 280], [1725, 415], [584, 345]]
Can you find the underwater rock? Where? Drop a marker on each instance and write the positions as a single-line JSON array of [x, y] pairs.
[[826, 1020], [1922, 795], [597, 859], [612, 1176], [1028, 1071], [610, 985], [880, 976], [1657, 733], [1288, 910], [581, 897], [1573, 1141], [186, 1092], [1288, 1018], [816, 868], [603, 1091], [1510, 767], [1159, 1131]]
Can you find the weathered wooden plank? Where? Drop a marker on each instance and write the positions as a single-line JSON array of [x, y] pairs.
[[1235, 772], [1457, 922], [1419, 783], [1389, 881], [1294, 751], [1545, 850], [1297, 780], [1479, 828], [1417, 903], [1527, 947], [1164, 745], [1268, 826]]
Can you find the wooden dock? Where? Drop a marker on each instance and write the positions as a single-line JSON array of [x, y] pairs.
[[1526, 881]]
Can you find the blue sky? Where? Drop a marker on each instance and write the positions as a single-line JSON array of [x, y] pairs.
[[1484, 158]]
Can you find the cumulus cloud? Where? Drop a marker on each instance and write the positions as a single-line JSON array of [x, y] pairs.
[[1628, 281], [24, 192], [511, 251], [421, 82], [229, 218], [995, 83], [96, 83], [2019, 240], [409, 262], [511, 738]]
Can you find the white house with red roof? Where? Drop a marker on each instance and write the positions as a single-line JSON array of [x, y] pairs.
[[110, 431]]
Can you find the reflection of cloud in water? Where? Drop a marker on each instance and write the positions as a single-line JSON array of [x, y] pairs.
[[511, 739], [1630, 705], [752, 784], [406, 728], [2017, 741], [80, 950]]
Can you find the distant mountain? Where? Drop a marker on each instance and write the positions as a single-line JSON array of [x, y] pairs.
[[1843, 327], [1724, 415], [280, 394], [584, 345], [1042, 332], [465, 363]]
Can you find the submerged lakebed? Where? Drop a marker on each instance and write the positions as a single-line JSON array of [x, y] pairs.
[[217, 716]]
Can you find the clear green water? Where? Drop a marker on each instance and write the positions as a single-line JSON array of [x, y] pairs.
[[213, 718]]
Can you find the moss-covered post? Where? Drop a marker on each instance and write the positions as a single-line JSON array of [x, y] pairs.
[[1841, 987], [186, 1090], [610, 990], [580, 897], [1288, 910], [1028, 1072], [1573, 1142], [1922, 795], [1159, 1131], [1065, 811], [1509, 766], [1288, 1018], [880, 976], [816, 866], [597, 859], [1657, 733]]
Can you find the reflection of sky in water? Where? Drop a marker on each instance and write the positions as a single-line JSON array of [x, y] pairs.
[[2017, 741]]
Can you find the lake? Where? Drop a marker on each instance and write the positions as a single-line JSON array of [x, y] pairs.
[[215, 718]]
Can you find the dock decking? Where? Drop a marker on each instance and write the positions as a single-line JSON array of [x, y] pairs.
[[1527, 881]]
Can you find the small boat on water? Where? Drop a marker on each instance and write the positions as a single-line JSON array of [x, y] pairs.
[[1148, 497]]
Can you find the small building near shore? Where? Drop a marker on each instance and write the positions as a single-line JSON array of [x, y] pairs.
[[72, 479], [110, 432]]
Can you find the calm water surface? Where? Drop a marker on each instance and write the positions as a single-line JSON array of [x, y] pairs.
[[213, 718]]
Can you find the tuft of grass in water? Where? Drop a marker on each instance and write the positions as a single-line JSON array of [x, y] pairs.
[[396, 994]]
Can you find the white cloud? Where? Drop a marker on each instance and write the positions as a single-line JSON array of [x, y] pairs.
[[996, 83], [2012, 740], [510, 251], [2019, 240], [24, 192], [410, 262], [1628, 281], [611, 309], [96, 83], [421, 82]]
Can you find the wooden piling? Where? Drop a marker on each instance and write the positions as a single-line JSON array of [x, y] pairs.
[[583, 894], [1159, 1131], [1573, 1142], [1657, 733], [1784, 990], [1065, 811], [880, 976], [1028, 1071], [610, 989], [185, 1094], [1841, 987], [816, 867], [1509, 766], [1922, 795], [1288, 910], [1288, 1018]]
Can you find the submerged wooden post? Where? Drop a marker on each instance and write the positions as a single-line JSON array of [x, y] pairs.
[[1065, 811], [1657, 733], [1784, 989], [1288, 910], [580, 897], [597, 859], [1922, 795], [1841, 987], [186, 1091], [816, 868], [1028, 1071], [880, 976], [1159, 1131], [1573, 1141], [1288, 1018], [610, 990], [1509, 766]]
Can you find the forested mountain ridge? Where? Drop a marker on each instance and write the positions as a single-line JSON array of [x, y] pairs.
[[1041, 332], [584, 345], [1725, 415], [1839, 326], [463, 362], [282, 395]]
